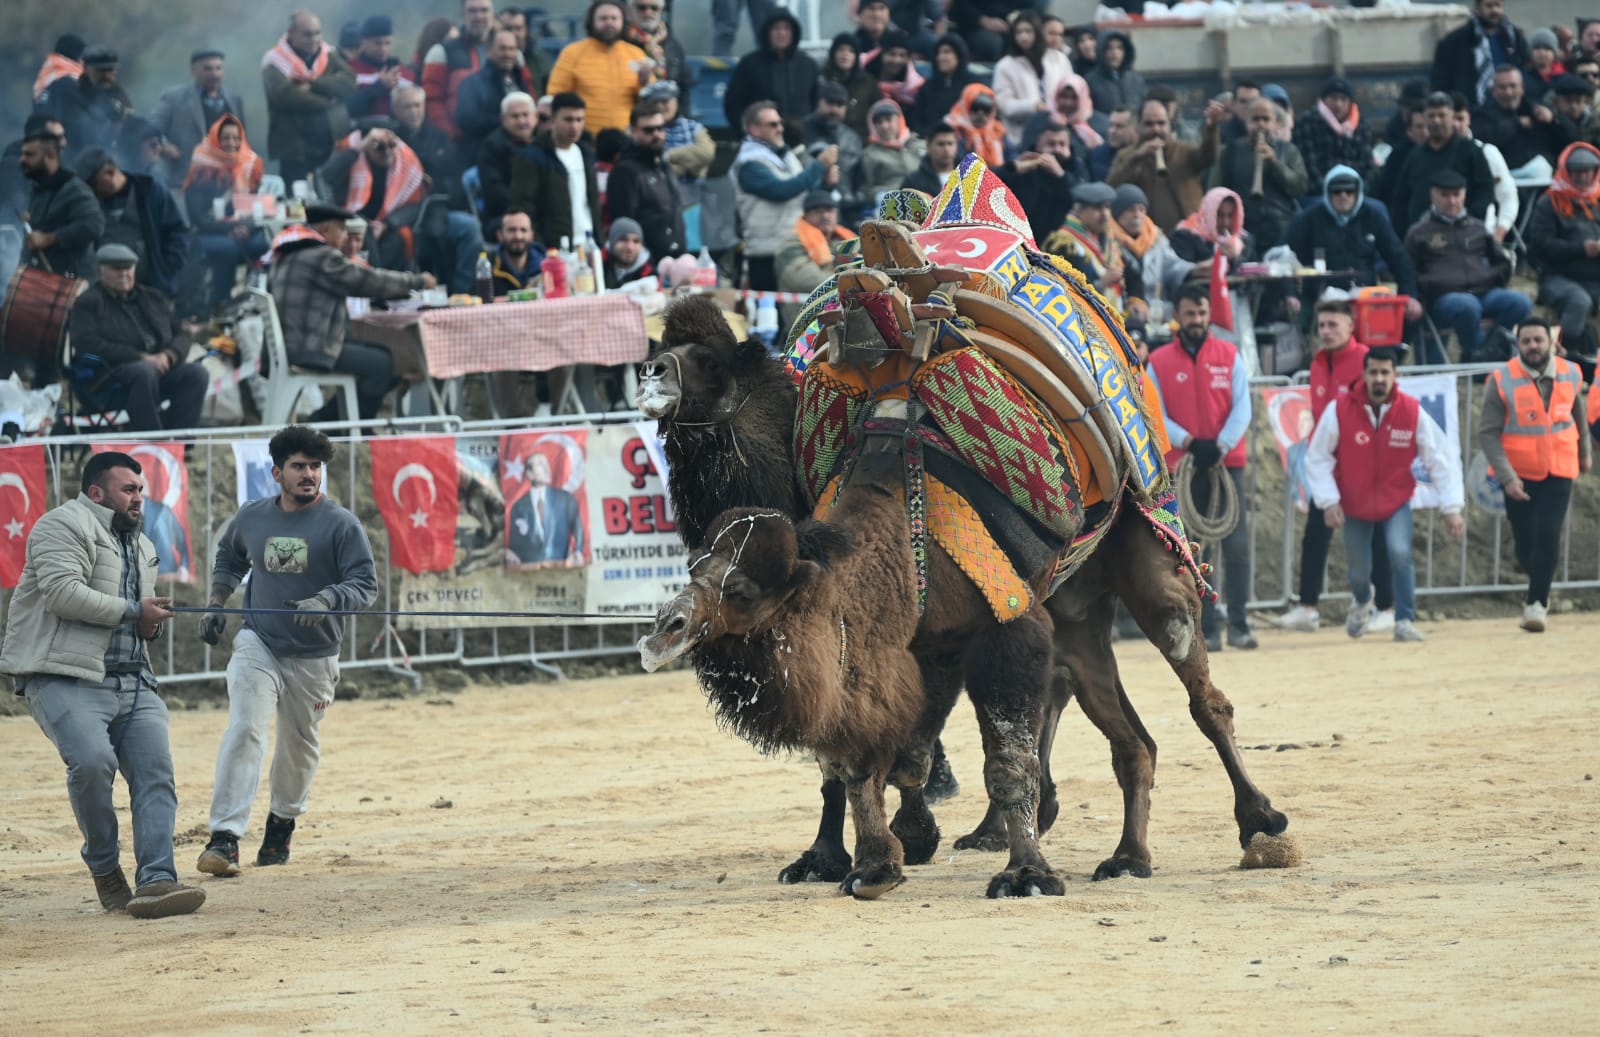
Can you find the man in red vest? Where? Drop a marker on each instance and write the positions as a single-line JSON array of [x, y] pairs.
[[1359, 469], [1205, 398], [1531, 430], [1335, 368]]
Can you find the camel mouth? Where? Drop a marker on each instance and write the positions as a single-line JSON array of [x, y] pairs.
[[670, 639], [655, 397]]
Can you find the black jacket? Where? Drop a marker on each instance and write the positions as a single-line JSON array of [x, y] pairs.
[[1283, 185], [924, 179], [1495, 125], [1455, 65], [478, 103], [1358, 245], [1555, 243], [787, 78], [91, 116], [495, 157], [641, 187], [440, 160], [152, 225], [539, 185], [65, 206], [104, 326], [940, 93], [1411, 198]]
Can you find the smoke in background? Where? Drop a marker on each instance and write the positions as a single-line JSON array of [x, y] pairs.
[[155, 37]]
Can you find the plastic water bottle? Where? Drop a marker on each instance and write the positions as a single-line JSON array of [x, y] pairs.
[[583, 268], [483, 279], [553, 272], [596, 270], [705, 270], [766, 326]]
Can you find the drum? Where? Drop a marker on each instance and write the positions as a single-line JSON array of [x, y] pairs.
[[33, 322]]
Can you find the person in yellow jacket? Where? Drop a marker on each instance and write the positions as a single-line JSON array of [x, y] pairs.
[[604, 69], [1531, 429]]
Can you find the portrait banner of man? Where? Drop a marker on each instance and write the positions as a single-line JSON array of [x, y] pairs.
[[166, 503], [542, 477]]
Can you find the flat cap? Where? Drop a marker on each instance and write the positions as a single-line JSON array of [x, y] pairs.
[[376, 25], [350, 35], [320, 212], [99, 56], [115, 255], [1093, 193], [204, 54], [1569, 85], [1448, 180], [820, 200]]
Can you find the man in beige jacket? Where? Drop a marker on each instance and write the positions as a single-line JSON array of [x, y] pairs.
[[75, 647]]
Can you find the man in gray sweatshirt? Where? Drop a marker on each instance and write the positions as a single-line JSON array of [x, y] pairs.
[[303, 552]]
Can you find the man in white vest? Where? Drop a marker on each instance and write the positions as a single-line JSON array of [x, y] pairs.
[[770, 183]]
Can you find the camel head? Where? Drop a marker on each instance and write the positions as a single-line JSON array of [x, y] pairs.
[[694, 376], [737, 586]]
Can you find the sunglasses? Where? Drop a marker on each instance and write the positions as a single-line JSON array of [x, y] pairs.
[[651, 129], [769, 123], [1341, 190]]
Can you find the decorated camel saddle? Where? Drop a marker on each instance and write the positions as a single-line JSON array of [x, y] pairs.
[[1006, 378]]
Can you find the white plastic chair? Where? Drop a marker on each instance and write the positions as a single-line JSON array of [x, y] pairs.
[[285, 384]]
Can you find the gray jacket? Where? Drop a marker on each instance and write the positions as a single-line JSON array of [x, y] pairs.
[[309, 282], [182, 118], [69, 599]]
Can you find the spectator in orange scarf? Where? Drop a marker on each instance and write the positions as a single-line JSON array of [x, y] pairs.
[[978, 128], [222, 165], [806, 260], [1564, 244]]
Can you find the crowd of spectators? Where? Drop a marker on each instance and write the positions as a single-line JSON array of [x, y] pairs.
[[484, 121]]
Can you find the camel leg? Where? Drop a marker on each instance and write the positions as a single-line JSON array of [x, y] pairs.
[[913, 823], [990, 835], [1085, 646], [1166, 605], [826, 860], [879, 855], [1008, 676]]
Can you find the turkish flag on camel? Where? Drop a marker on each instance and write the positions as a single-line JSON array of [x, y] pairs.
[[1221, 301], [22, 501], [414, 483]]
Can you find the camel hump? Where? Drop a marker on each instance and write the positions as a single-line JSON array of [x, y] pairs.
[[696, 318]]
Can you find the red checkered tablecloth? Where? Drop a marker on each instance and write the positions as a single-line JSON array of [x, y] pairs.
[[524, 336]]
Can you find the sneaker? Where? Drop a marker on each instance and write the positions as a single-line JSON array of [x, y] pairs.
[[113, 890], [1381, 622], [1242, 639], [165, 898], [221, 855], [1533, 615], [1355, 624], [275, 843], [1301, 617], [1405, 630]]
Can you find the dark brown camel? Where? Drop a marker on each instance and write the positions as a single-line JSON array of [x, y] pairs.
[[726, 414], [801, 640]]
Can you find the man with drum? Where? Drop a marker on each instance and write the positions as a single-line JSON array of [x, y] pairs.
[[1531, 430], [1359, 471], [64, 217]]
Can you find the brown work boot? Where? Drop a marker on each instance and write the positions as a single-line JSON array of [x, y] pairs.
[[113, 890], [165, 898]]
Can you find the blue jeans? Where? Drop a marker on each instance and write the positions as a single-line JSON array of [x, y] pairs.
[[1396, 533], [223, 255], [98, 729], [1462, 312]]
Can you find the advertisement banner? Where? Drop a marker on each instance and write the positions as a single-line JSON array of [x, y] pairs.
[[623, 557], [1289, 414], [166, 503]]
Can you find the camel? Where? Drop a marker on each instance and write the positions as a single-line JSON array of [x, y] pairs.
[[801, 638], [725, 411]]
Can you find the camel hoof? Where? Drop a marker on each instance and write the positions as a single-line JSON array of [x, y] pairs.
[[1117, 867], [872, 881], [918, 835], [1049, 808], [942, 783], [1262, 820], [816, 866], [982, 839], [1026, 881]]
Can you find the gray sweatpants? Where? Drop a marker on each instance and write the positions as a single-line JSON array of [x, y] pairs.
[[261, 686]]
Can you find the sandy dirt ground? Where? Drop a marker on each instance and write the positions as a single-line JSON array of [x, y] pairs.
[[599, 857]]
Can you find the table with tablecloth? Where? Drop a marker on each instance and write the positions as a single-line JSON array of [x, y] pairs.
[[447, 343]]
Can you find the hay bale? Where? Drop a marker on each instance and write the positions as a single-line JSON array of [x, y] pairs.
[[1272, 851]]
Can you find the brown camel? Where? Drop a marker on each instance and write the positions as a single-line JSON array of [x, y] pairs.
[[801, 639], [726, 414]]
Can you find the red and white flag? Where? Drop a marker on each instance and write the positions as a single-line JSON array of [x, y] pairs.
[[414, 482], [22, 501], [1221, 301], [166, 503]]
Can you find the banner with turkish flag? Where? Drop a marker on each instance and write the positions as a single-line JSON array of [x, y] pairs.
[[22, 501], [416, 487], [543, 480], [1221, 301], [166, 503]]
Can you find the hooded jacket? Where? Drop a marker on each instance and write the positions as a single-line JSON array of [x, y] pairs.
[[1122, 87], [861, 87], [1357, 241], [939, 92], [786, 78]]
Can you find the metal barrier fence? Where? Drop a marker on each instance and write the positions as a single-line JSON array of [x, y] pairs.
[[1479, 564]]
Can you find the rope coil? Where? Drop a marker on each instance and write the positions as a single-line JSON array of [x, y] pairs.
[[1212, 525]]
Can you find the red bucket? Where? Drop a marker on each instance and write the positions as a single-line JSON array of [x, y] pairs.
[[1380, 319]]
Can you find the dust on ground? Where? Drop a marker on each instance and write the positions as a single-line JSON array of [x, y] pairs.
[[599, 857]]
